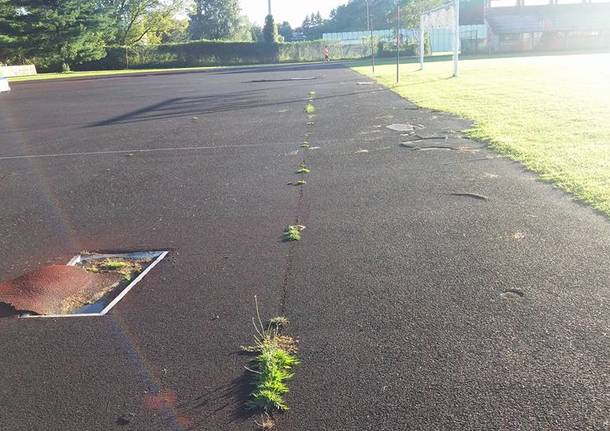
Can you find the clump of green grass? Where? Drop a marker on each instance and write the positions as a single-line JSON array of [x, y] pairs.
[[113, 265], [305, 145], [302, 169], [293, 232], [312, 93], [272, 366], [309, 108], [298, 183], [127, 268], [279, 322]]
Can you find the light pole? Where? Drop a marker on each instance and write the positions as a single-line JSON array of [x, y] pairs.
[[456, 37], [269, 6], [370, 28], [397, 41], [422, 42]]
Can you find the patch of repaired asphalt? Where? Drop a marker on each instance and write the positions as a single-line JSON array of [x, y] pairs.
[[56, 289]]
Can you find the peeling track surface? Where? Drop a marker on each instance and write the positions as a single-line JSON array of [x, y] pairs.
[[396, 289]]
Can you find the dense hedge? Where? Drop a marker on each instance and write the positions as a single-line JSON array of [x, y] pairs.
[[215, 53]]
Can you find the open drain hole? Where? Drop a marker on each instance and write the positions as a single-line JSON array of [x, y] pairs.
[[89, 285]]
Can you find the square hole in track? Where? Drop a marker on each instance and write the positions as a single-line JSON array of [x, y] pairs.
[[91, 284]]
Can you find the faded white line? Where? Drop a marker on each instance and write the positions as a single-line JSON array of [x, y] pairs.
[[134, 151]]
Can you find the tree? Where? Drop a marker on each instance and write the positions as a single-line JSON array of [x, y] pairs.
[[411, 11], [257, 33], [285, 30], [214, 19], [270, 30], [165, 29], [134, 20], [59, 32], [8, 12], [313, 26], [242, 32], [352, 16]]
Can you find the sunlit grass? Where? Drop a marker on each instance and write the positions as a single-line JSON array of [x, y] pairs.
[[46, 76], [552, 113]]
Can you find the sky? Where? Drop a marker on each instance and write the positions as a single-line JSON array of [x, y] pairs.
[[293, 11]]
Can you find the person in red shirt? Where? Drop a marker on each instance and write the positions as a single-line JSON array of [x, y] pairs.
[[326, 53]]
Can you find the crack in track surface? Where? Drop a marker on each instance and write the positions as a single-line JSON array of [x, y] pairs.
[[291, 258]]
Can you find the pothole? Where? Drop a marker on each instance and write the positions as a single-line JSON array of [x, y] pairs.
[[512, 294], [89, 285]]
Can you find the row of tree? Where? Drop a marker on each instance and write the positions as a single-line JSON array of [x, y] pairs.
[[62, 32], [352, 16], [56, 33]]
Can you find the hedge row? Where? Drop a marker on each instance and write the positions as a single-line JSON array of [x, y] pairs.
[[214, 53]]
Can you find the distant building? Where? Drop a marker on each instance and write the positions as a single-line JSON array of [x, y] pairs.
[[488, 26], [298, 37], [525, 27]]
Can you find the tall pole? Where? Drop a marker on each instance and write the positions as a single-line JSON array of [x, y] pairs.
[[370, 27], [397, 41], [422, 45], [456, 36], [269, 7]]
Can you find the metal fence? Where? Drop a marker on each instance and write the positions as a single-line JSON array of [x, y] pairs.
[[440, 38]]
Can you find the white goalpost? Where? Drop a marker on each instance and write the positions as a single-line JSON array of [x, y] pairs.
[[445, 17]]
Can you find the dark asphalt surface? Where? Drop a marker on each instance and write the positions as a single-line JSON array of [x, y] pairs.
[[397, 292]]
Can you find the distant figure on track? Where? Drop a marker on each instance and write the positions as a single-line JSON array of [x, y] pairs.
[[326, 53]]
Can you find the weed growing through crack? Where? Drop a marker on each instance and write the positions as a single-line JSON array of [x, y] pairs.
[[310, 109], [279, 322], [298, 183], [305, 145], [312, 93], [113, 265], [293, 232], [272, 366], [127, 268], [266, 422], [302, 169]]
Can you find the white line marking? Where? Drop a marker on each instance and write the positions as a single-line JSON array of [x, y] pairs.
[[132, 284], [145, 150], [54, 316]]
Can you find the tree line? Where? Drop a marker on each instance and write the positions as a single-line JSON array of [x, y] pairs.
[[56, 34], [352, 16]]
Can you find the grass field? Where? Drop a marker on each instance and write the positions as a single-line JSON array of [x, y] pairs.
[[552, 113], [45, 76]]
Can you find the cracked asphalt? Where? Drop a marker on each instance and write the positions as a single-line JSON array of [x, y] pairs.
[[437, 286]]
